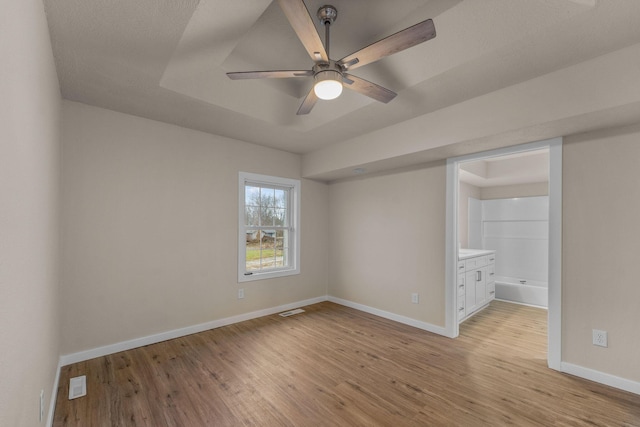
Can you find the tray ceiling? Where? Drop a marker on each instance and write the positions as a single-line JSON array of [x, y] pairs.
[[166, 60]]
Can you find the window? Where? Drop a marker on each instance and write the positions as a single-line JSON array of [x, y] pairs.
[[269, 236]]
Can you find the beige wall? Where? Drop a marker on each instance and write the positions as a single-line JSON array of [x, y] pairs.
[[601, 212], [387, 240], [149, 228], [518, 190], [29, 167], [465, 190]]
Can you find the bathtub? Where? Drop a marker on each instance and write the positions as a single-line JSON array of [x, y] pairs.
[[522, 291]]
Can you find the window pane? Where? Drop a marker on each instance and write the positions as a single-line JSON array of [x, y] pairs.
[[281, 198], [251, 216], [281, 248], [268, 248], [267, 197], [280, 217], [252, 254], [251, 195], [267, 216], [251, 205]]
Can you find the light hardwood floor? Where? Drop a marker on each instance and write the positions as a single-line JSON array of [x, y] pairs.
[[335, 366]]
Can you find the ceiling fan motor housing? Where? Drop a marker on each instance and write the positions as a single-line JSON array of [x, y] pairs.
[[327, 14]]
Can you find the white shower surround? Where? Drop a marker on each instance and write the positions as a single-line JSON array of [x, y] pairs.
[[518, 230]]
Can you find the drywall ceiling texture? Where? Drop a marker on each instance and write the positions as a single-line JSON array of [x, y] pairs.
[[29, 167], [499, 72]]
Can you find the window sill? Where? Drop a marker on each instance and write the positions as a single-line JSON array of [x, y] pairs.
[[267, 275]]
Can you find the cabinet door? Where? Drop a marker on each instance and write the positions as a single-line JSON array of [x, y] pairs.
[[481, 286], [470, 292]]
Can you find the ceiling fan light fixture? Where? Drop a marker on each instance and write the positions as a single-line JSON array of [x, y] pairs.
[[328, 84]]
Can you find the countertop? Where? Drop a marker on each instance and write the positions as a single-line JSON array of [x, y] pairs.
[[470, 253]]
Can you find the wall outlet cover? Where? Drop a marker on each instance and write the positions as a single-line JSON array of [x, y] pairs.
[[600, 338]]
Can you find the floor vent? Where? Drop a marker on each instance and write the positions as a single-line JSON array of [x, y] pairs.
[[291, 312], [77, 387]]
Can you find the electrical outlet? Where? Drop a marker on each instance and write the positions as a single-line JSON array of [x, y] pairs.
[[415, 298], [240, 293], [41, 405], [600, 338]]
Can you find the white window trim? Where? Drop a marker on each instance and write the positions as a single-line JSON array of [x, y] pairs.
[[294, 254]]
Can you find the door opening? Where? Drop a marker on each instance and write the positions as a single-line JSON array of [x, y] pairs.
[[485, 238]]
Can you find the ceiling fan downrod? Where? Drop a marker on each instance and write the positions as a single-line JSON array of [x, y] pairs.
[[327, 75], [327, 14]]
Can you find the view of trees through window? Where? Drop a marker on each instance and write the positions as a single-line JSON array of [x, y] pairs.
[[266, 225]]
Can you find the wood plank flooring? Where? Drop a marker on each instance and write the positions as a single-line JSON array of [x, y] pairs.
[[335, 366]]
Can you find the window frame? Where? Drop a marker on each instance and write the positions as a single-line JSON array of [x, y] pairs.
[[294, 226]]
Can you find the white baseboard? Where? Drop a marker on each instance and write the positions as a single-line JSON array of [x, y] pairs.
[[601, 377], [522, 303], [81, 356], [440, 330], [54, 397]]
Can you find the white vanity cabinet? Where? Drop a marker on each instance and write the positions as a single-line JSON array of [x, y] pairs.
[[476, 281]]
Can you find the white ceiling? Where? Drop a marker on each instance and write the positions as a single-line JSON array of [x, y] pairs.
[[527, 167], [166, 60]]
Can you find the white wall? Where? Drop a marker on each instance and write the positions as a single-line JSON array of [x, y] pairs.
[[465, 190], [29, 165], [387, 240], [601, 290], [149, 228], [518, 230], [516, 190]]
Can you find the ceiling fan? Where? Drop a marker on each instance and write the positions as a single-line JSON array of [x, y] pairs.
[[330, 76]]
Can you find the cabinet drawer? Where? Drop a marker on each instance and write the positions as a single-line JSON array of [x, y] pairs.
[[461, 284], [481, 261], [461, 266], [461, 310], [470, 264], [491, 273], [491, 291], [491, 259]]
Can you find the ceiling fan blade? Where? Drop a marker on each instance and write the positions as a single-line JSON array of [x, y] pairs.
[[367, 88], [308, 103], [279, 74], [397, 42], [302, 24]]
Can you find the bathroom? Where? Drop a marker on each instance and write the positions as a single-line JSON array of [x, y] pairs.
[[503, 215]]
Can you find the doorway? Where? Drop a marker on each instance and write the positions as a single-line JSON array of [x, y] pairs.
[[454, 236]]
